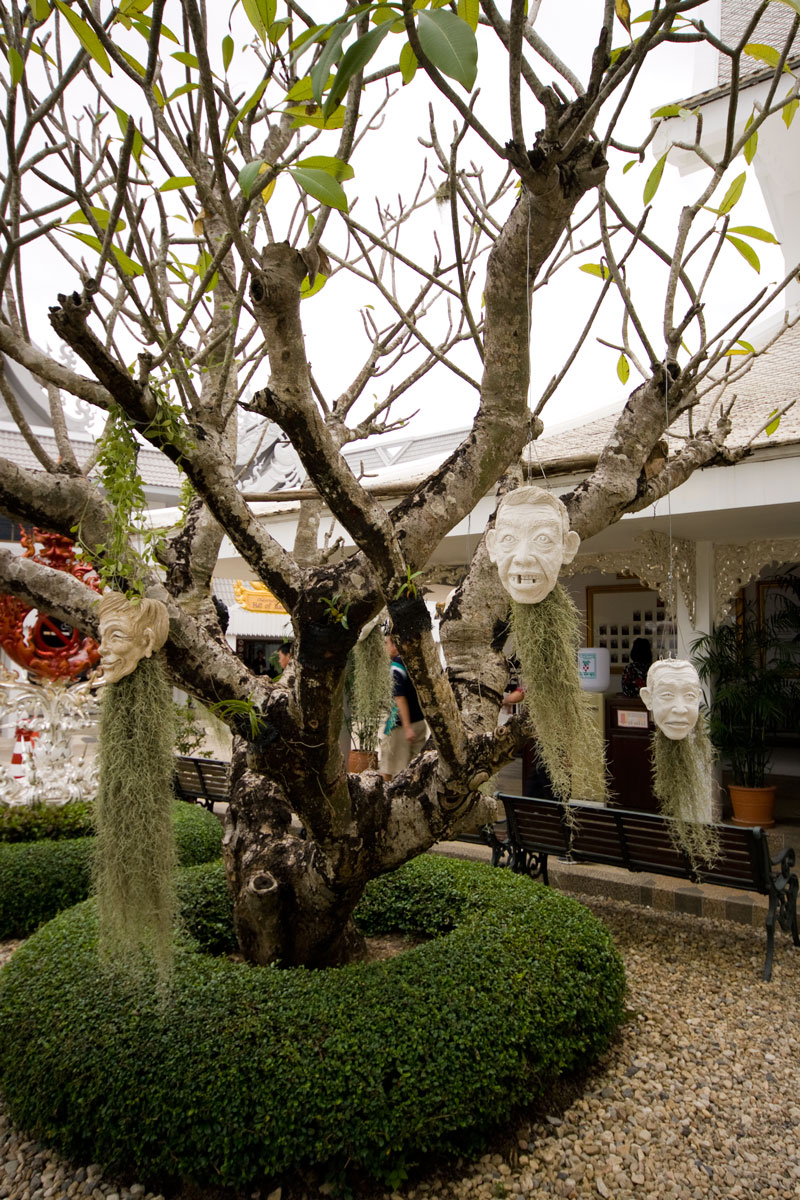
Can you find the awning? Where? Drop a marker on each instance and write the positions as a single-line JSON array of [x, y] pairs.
[[243, 622]]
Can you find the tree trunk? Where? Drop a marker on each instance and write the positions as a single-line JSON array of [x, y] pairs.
[[288, 906]]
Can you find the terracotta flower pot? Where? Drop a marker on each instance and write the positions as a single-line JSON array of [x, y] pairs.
[[752, 806], [363, 760]]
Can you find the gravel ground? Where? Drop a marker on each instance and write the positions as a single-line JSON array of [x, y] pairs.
[[698, 1098]]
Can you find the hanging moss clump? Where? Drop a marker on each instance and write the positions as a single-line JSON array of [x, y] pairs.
[[570, 745], [682, 784], [135, 853], [370, 688]]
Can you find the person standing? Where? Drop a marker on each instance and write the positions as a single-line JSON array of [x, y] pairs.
[[635, 674], [405, 732]]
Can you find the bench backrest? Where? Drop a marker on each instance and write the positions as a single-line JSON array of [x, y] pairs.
[[201, 778], [637, 841]]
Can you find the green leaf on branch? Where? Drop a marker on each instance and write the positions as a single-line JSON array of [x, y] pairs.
[[789, 109], [260, 14], [304, 88], [101, 216], [408, 63], [331, 51], [469, 11], [733, 194], [450, 45], [246, 107], [747, 252], [334, 166], [774, 423], [40, 10], [746, 348], [125, 264], [188, 60], [623, 369], [248, 175], [144, 27], [654, 178], [310, 114], [277, 29], [597, 269], [86, 36], [310, 289], [623, 11], [17, 65], [628, 165], [763, 53], [754, 231], [227, 51], [354, 59], [383, 14], [671, 110], [182, 90], [176, 181], [203, 263], [321, 186], [751, 145]]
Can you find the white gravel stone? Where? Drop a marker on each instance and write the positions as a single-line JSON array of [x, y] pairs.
[[698, 1097]]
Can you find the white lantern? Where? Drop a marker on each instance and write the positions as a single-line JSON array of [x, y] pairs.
[[594, 668]]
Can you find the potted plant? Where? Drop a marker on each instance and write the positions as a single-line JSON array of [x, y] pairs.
[[752, 669], [368, 699]]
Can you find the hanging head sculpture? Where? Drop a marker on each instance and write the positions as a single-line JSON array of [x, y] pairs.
[[129, 632], [530, 541], [673, 695]]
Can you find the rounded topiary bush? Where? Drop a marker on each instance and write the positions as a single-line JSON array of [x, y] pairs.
[[239, 1074], [39, 822], [38, 879]]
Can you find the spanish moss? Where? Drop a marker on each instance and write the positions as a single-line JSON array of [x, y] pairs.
[[370, 688], [570, 745], [682, 784], [135, 849]]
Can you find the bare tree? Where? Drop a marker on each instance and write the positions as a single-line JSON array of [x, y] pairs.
[[116, 117]]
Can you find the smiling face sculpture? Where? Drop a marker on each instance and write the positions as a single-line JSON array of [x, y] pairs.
[[673, 695], [129, 633], [530, 541]]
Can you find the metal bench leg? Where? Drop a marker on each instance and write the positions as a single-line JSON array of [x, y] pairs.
[[770, 924]]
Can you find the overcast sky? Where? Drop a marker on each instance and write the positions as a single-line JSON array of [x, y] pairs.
[[391, 161]]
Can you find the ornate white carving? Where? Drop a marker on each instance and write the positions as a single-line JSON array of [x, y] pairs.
[[54, 711], [735, 564], [652, 564]]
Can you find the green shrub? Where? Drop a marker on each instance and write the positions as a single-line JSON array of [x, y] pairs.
[[39, 879], [38, 822], [240, 1074]]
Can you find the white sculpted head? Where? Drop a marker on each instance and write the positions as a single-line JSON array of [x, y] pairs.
[[530, 541], [673, 695], [129, 632]]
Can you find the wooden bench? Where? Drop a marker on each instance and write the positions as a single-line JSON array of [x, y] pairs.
[[641, 841], [201, 780]]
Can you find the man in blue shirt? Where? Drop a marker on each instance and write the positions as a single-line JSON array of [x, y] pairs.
[[405, 732]]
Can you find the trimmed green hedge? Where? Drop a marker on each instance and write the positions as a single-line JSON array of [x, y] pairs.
[[243, 1074], [39, 879], [37, 822]]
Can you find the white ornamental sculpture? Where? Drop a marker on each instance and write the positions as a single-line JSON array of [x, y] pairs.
[[530, 541], [129, 632], [673, 694], [52, 712]]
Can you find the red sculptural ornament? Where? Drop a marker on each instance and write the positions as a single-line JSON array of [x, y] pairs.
[[40, 643]]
